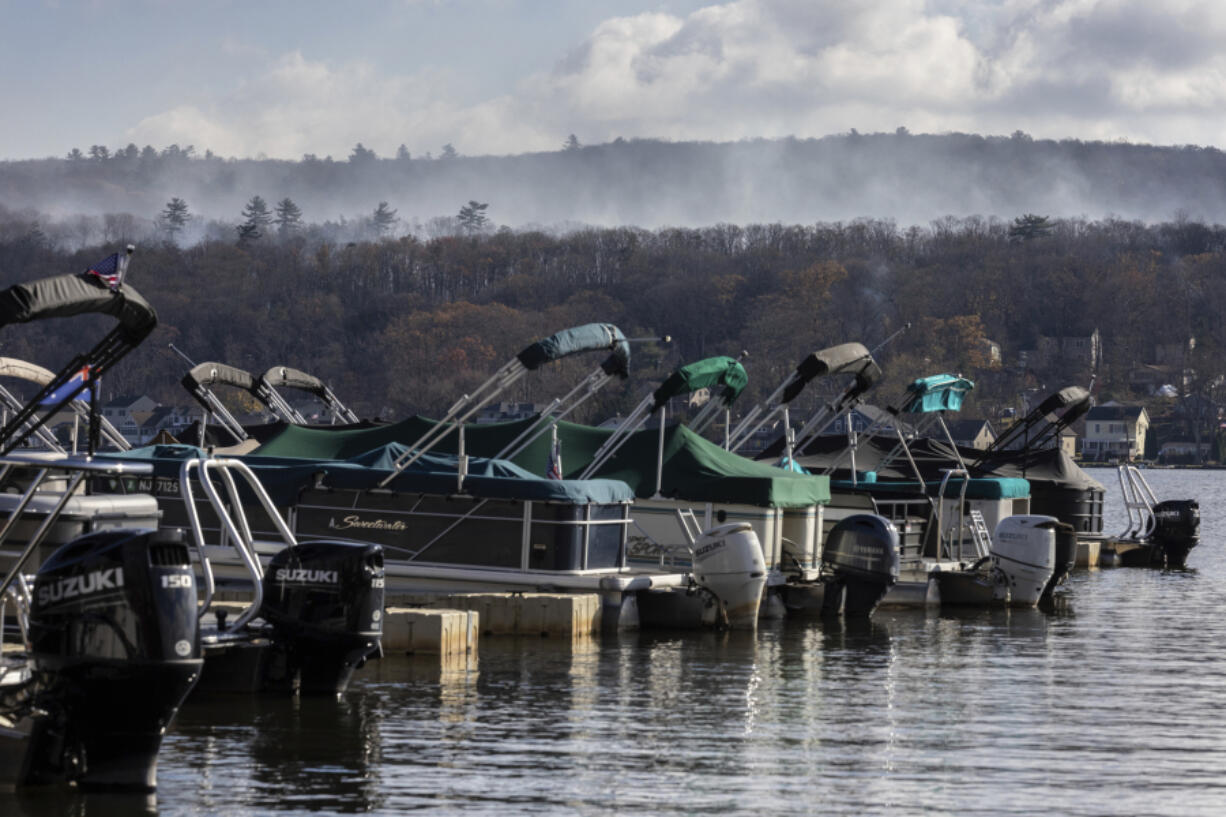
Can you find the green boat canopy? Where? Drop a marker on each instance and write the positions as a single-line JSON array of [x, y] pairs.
[[704, 374], [587, 338], [695, 469], [63, 296], [940, 392]]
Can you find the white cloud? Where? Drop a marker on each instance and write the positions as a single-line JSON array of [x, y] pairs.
[[1083, 68]]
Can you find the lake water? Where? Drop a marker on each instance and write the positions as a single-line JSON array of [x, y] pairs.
[[1108, 705]]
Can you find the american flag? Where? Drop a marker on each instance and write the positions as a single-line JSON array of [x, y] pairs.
[[74, 383], [554, 471], [110, 270]]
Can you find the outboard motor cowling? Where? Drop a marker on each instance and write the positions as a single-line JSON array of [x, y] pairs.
[[1176, 528], [324, 601], [728, 562], [861, 552], [1024, 550], [115, 648]]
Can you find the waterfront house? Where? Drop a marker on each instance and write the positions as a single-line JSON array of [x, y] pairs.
[[1115, 432]]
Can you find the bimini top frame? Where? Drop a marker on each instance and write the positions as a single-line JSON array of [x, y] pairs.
[[198, 380], [725, 373], [586, 338], [33, 373], [1041, 427], [285, 377], [846, 358], [65, 296]]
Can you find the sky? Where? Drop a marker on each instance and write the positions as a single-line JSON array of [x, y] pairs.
[[283, 79]]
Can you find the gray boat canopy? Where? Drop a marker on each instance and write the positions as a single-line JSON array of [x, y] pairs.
[[846, 358], [286, 377]]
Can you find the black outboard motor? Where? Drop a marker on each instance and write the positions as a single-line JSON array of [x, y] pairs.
[[324, 601], [1066, 557], [1176, 529], [862, 553], [115, 648]]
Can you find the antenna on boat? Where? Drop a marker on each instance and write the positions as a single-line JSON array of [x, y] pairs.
[[888, 340], [182, 354]]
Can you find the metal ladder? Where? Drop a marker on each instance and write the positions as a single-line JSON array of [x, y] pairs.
[[980, 533]]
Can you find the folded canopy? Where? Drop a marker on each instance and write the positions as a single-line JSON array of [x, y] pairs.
[[63, 296]]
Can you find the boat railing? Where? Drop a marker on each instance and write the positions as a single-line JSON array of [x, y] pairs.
[[901, 512], [951, 539], [235, 529], [1139, 502]]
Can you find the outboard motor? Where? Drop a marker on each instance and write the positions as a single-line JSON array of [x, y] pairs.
[[1176, 529], [324, 601], [115, 648], [1066, 556], [1024, 551], [728, 562], [861, 551]]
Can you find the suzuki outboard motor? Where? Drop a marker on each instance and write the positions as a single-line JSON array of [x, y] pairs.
[[728, 563], [861, 552], [1024, 550], [115, 648], [1176, 529], [324, 601]]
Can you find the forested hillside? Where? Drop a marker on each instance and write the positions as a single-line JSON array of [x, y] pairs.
[[910, 178], [402, 325]]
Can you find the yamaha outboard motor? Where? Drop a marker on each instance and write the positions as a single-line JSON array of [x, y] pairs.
[[115, 648], [1066, 556], [324, 601], [862, 553], [1176, 529]]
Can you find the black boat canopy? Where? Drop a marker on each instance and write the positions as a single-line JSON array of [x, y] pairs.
[[64, 296]]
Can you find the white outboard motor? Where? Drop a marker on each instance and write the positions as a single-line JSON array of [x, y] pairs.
[[1024, 550], [728, 563]]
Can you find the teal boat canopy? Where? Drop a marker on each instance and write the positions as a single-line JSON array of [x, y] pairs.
[[976, 488], [940, 392], [587, 338], [710, 373]]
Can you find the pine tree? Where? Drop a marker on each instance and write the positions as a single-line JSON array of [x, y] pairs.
[[257, 218], [472, 217], [449, 152], [572, 143], [383, 219], [175, 217], [288, 217]]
